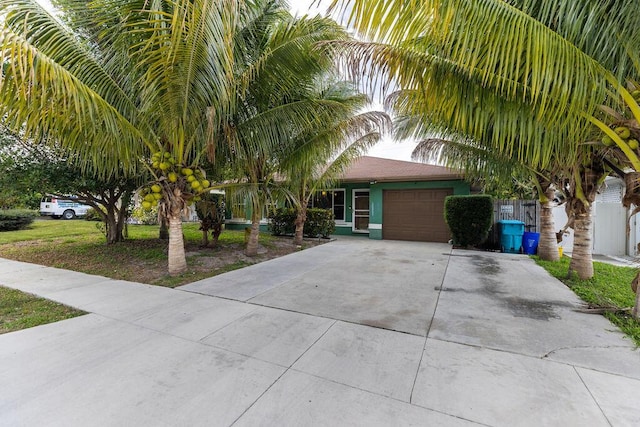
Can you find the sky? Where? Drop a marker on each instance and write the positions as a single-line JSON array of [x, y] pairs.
[[387, 148], [301, 7]]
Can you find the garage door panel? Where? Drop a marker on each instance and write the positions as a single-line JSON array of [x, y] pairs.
[[416, 215]]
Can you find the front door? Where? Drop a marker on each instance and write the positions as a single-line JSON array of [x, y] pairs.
[[360, 211]]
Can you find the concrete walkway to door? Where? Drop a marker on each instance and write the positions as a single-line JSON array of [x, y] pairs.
[[354, 332]]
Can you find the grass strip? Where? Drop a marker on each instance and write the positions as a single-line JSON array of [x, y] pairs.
[[19, 310], [610, 287]]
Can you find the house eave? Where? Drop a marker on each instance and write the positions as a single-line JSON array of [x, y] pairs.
[[404, 179]]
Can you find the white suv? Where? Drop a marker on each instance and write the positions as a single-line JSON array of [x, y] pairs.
[[67, 208]]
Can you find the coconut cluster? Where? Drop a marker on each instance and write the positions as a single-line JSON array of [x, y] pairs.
[[625, 134], [190, 180], [628, 135]]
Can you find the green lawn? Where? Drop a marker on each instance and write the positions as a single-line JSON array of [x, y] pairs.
[[80, 246], [89, 232], [19, 310], [610, 287], [48, 230]]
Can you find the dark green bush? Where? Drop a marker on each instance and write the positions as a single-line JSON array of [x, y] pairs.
[[16, 219], [320, 222], [282, 221], [469, 218]]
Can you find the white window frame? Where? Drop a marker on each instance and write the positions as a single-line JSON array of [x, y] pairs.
[[353, 205], [333, 206]]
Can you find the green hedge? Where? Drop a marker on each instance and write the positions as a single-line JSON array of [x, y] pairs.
[[469, 218], [282, 221], [320, 222], [16, 219]]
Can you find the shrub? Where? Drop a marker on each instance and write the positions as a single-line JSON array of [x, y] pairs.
[[92, 215], [469, 218], [146, 217], [211, 210], [282, 221], [320, 222], [16, 219]]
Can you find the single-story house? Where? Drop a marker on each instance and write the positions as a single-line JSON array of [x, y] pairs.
[[389, 199]]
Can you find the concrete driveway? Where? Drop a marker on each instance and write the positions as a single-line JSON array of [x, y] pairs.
[[354, 332], [391, 285]]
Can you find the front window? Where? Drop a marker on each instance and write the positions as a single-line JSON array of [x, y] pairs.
[[238, 211], [332, 200]]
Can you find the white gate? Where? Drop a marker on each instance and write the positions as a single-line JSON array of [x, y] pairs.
[[609, 229]]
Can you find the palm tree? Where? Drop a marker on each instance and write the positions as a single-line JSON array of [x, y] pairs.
[[136, 81], [523, 77], [276, 101], [620, 136], [315, 159]]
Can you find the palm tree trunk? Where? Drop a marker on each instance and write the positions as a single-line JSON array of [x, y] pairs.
[[301, 217], [548, 244], [631, 200], [177, 258], [163, 234], [581, 258], [205, 237], [217, 230], [252, 244]]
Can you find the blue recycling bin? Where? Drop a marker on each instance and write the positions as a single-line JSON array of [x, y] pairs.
[[530, 242], [511, 232]]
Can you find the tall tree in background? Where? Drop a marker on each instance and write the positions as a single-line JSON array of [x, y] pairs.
[[21, 176], [29, 170], [110, 197]]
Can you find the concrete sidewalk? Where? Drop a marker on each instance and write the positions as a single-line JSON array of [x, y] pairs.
[[354, 332]]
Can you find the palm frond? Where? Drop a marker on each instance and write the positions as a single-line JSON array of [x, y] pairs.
[[522, 76], [70, 50], [63, 109]]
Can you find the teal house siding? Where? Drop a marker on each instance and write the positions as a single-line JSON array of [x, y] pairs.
[[237, 225], [240, 223]]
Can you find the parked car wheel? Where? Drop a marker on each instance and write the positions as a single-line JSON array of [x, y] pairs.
[[68, 214]]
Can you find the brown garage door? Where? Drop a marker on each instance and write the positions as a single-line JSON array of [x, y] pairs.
[[415, 215]]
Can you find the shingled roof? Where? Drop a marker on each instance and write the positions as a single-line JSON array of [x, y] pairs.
[[385, 170]]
